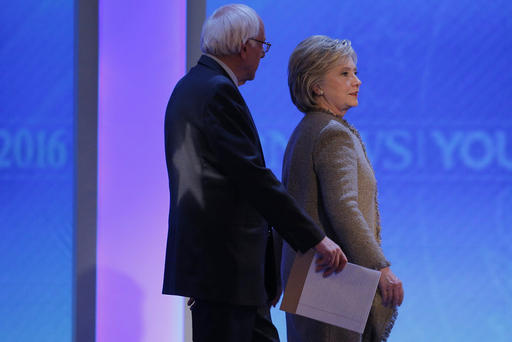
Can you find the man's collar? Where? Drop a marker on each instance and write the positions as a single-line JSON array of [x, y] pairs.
[[225, 67]]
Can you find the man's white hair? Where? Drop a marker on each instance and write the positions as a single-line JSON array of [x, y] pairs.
[[228, 28]]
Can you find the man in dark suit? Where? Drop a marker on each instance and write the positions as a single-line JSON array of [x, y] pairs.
[[223, 198]]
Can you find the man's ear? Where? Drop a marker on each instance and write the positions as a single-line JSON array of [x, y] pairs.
[[243, 50]]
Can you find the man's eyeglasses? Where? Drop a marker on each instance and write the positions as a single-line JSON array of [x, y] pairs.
[[264, 45]]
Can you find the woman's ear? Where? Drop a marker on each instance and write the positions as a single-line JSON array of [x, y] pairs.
[[317, 90]]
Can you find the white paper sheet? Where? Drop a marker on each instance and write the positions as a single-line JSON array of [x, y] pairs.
[[342, 299]]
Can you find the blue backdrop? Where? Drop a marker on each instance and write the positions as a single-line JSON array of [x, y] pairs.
[[36, 170], [435, 116], [434, 113]]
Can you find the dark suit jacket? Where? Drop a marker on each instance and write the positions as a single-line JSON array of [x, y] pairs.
[[223, 198]]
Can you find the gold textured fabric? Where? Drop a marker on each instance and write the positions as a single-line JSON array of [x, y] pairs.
[[328, 172]]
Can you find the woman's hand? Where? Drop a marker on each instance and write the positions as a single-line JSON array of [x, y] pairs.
[[390, 288]]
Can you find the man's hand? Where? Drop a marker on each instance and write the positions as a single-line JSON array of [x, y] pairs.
[[330, 257], [390, 288]]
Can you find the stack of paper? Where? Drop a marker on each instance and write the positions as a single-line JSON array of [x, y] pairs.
[[342, 299]]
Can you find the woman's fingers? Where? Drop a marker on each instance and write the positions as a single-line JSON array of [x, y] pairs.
[[384, 292]]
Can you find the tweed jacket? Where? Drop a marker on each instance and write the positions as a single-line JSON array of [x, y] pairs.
[[326, 169]]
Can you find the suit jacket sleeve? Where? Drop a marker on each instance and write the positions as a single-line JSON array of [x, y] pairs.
[[335, 162], [233, 137]]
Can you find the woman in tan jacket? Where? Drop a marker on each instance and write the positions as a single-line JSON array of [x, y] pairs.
[[327, 170]]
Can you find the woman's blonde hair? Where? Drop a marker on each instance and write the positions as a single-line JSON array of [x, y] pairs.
[[309, 63]]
